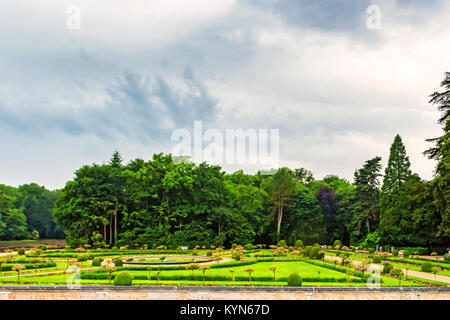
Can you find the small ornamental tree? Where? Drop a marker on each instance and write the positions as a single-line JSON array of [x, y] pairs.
[[435, 271], [162, 259], [274, 270], [1, 266], [398, 273], [193, 267], [218, 258], [250, 271], [362, 268], [17, 268], [203, 269], [337, 244], [109, 268], [232, 274]]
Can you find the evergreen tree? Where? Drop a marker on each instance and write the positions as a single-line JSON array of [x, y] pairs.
[[441, 153], [365, 204], [395, 176]]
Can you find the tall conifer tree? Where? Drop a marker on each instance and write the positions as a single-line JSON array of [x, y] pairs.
[[396, 174]]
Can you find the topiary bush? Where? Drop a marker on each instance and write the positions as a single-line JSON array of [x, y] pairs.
[[236, 256], [395, 253], [306, 252], [97, 262], [82, 257], [298, 244], [376, 259], [371, 250], [387, 267], [118, 262], [21, 251], [248, 246], [281, 243], [337, 243], [123, 278], [315, 252], [294, 280], [209, 253], [426, 267]]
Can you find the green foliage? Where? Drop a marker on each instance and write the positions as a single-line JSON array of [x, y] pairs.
[[21, 251], [387, 267], [118, 262], [123, 278], [395, 252], [426, 267], [337, 243], [298, 244], [282, 244], [82, 257], [307, 251], [236, 256], [376, 259], [97, 262], [248, 246], [209, 253], [294, 280]]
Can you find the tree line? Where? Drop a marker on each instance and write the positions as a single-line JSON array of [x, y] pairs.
[[167, 201], [171, 201], [26, 212]]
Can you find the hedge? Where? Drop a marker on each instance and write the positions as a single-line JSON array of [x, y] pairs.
[[8, 267]]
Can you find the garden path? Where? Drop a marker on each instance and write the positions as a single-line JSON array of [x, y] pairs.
[[418, 274]]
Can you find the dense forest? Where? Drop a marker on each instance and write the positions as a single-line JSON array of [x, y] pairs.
[[26, 213], [171, 201]]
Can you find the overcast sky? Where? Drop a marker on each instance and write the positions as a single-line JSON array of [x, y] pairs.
[[136, 70]]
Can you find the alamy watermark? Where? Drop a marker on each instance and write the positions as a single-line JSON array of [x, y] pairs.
[[230, 147], [374, 19], [73, 21]]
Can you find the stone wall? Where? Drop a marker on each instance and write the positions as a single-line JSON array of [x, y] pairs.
[[220, 293]]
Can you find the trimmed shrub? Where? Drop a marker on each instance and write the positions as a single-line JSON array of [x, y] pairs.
[[298, 244], [21, 251], [236, 256], [307, 251], [395, 253], [447, 257], [426, 267], [315, 252], [281, 243], [337, 243], [248, 246], [118, 262], [387, 267], [209, 253], [97, 262], [294, 280], [371, 250], [123, 278], [376, 259], [82, 257]]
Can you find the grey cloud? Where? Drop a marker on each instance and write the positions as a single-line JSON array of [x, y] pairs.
[[135, 107]]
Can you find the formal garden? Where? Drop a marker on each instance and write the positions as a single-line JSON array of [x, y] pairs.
[[249, 265]]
